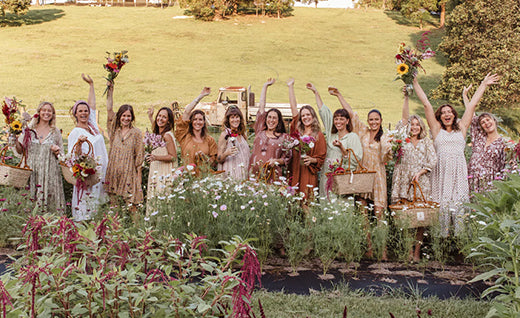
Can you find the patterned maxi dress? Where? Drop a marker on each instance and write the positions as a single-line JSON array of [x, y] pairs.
[[375, 155], [236, 166], [160, 174], [486, 162], [450, 179], [413, 160], [123, 177], [265, 148], [349, 141], [45, 181], [85, 207]]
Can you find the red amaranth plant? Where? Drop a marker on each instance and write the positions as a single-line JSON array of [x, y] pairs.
[[34, 226], [249, 273], [5, 299]]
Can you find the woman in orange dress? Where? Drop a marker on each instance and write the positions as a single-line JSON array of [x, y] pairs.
[[193, 136], [304, 167]]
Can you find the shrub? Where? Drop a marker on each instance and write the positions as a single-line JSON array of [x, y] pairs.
[[98, 269]]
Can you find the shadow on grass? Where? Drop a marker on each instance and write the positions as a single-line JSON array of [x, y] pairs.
[[399, 18], [37, 16]]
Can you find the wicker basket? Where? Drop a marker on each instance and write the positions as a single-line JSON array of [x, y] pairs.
[[67, 172], [16, 176], [419, 212], [353, 182]]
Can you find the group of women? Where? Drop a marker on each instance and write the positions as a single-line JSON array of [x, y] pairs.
[[303, 156]]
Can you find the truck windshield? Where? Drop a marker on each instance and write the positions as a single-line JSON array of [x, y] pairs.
[[229, 97]]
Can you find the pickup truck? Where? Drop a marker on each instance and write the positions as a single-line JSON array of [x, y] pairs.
[[244, 99]]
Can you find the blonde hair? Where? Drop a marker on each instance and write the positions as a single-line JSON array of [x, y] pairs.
[[423, 132], [36, 119]]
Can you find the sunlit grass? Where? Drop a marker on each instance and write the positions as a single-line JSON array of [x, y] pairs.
[[172, 59]]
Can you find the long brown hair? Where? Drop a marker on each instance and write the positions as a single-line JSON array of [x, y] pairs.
[[169, 125], [233, 110], [315, 123], [455, 124], [379, 133], [204, 131], [122, 109]]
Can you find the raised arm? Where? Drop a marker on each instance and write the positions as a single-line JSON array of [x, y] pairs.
[[150, 115], [91, 93], [406, 108], [335, 92], [263, 95], [187, 111], [435, 126], [292, 97], [110, 101], [319, 102], [465, 122], [465, 98]]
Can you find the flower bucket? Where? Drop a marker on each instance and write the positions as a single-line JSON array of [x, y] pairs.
[[16, 176]]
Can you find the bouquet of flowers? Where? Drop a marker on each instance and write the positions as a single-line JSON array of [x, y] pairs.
[[80, 170], [396, 140], [152, 142], [114, 65], [232, 136], [409, 60], [335, 167], [289, 143], [12, 115]]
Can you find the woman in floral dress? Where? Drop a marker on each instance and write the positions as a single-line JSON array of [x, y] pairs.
[[269, 138], [415, 164], [233, 149], [488, 155], [43, 147], [450, 175], [125, 159], [304, 168]]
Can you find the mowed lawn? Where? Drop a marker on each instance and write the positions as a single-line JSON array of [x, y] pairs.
[[172, 59]]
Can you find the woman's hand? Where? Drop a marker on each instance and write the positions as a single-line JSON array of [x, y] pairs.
[[309, 160], [82, 138], [311, 87], [149, 158], [290, 82], [231, 151], [26, 116], [87, 79], [55, 149], [337, 143], [150, 113], [273, 162], [491, 79], [405, 92], [270, 81], [418, 175], [205, 91], [333, 91]]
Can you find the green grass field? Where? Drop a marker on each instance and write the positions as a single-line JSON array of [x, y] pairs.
[[172, 59]]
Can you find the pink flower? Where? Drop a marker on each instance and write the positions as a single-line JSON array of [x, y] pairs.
[[223, 207], [215, 214]]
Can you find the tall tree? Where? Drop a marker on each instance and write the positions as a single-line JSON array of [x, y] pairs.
[[482, 36], [17, 7], [418, 10]]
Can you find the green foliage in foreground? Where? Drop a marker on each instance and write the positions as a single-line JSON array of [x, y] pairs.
[[498, 244], [100, 269], [331, 304]]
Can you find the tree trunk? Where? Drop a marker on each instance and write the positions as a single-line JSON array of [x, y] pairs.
[[443, 15]]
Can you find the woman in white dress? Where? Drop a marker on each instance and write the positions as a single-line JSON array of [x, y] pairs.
[[450, 175], [85, 203]]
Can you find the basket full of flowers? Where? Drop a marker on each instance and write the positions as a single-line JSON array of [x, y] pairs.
[[80, 169]]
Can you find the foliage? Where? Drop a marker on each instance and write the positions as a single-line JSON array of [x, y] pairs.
[[482, 36], [16, 205], [418, 10], [99, 269], [16, 7], [220, 209], [498, 221]]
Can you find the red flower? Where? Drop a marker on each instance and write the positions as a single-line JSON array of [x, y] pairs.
[[399, 141], [407, 140]]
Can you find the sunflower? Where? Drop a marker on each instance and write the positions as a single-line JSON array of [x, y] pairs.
[[402, 69], [16, 126]]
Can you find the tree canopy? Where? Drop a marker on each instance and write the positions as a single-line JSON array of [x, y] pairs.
[[482, 36]]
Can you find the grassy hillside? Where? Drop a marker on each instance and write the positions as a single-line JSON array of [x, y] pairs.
[[172, 59]]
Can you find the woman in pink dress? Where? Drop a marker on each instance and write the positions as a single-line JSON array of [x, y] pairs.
[[233, 149], [269, 137]]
